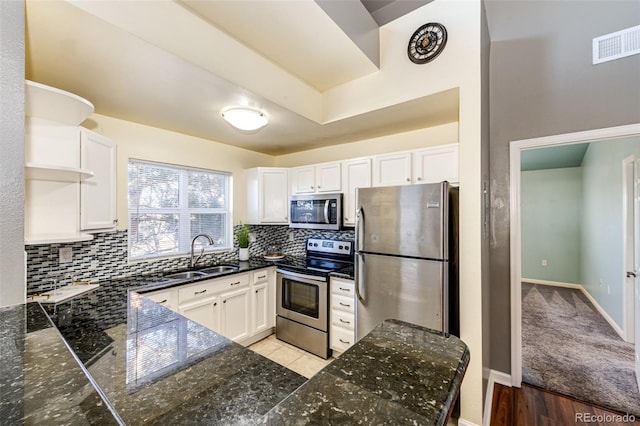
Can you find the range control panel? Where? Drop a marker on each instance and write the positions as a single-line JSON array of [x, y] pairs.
[[330, 246]]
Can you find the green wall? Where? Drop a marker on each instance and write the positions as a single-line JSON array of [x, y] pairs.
[[602, 227], [551, 202]]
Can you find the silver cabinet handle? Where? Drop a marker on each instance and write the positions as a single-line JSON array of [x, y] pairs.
[[344, 304], [200, 292], [163, 301], [345, 289], [345, 322], [236, 283], [262, 276], [631, 274], [345, 342]]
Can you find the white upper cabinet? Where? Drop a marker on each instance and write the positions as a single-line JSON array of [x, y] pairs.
[[355, 174], [435, 164], [392, 169], [267, 196], [97, 193], [55, 168], [325, 177], [303, 180]]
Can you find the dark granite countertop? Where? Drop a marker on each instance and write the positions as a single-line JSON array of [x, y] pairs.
[[346, 273], [151, 365]]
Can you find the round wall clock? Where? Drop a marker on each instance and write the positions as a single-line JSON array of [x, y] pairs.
[[427, 42]]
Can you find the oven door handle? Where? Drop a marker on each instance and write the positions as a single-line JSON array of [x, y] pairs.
[[301, 276]]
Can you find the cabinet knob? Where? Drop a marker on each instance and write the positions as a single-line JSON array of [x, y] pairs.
[[215, 303], [318, 186], [256, 291], [408, 179], [419, 178], [346, 218], [311, 186], [115, 221], [224, 301]]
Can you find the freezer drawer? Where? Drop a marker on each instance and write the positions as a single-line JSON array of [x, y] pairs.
[[400, 288]]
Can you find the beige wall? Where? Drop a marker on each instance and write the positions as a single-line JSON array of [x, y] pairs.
[[431, 136], [150, 143]]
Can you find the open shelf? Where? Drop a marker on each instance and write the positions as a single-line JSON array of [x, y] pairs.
[[56, 105], [38, 171]]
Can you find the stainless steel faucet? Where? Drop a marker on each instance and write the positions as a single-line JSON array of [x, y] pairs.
[[192, 263]]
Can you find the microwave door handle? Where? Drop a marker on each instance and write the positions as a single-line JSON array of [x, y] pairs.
[[326, 211]]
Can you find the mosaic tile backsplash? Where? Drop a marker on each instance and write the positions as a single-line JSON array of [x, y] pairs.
[[105, 257]]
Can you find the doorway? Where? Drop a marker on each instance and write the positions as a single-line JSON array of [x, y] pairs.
[[516, 147]]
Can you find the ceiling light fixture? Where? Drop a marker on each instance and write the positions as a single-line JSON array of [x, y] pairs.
[[245, 118]]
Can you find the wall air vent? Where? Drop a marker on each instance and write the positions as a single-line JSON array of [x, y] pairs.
[[616, 45]]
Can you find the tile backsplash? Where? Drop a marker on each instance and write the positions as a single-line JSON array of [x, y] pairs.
[[105, 257]]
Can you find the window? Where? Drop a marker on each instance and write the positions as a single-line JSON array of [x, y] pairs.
[[169, 205]]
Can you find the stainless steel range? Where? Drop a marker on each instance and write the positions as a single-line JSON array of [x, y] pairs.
[[302, 293]]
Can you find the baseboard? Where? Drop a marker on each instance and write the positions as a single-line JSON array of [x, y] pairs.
[[463, 422], [494, 377], [604, 314], [552, 283], [580, 287]]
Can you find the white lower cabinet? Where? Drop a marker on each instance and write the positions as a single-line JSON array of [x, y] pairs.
[[235, 314], [263, 307], [241, 307], [205, 312], [342, 329]]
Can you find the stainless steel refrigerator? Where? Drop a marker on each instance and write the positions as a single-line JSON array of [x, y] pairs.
[[406, 256]]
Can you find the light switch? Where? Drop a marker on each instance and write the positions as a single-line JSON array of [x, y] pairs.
[[544, 262]]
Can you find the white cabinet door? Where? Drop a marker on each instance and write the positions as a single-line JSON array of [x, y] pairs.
[[436, 164], [328, 177], [260, 308], [267, 195], [325, 177], [205, 311], [392, 169], [235, 314], [356, 174], [303, 180], [98, 193]]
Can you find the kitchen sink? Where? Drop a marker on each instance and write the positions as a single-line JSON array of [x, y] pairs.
[[186, 275], [220, 269]]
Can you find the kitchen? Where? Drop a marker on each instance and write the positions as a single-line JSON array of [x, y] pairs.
[[445, 72], [153, 144]]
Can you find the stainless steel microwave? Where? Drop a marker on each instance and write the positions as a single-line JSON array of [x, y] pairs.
[[316, 211]]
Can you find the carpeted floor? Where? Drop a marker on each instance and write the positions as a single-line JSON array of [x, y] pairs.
[[567, 347]]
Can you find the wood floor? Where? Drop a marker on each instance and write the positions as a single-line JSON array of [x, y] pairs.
[[530, 406]]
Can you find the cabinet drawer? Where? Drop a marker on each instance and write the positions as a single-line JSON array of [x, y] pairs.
[[261, 276], [163, 297], [207, 288], [341, 339], [343, 319], [342, 303], [343, 287]]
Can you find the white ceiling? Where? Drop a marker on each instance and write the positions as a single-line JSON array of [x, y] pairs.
[[169, 80]]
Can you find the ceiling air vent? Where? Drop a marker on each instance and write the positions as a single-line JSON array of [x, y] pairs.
[[616, 45]]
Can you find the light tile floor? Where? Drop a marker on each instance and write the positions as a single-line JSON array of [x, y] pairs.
[[289, 356]]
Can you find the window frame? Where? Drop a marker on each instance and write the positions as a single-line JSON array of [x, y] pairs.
[[183, 211]]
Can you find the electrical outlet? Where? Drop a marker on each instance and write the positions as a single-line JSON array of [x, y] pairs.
[[608, 289], [66, 255], [291, 237], [252, 237], [544, 262]]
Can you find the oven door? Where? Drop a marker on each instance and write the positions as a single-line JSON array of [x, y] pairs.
[[302, 298]]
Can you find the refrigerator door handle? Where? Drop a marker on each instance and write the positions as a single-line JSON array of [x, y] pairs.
[[326, 211], [359, 277], [359, 228]]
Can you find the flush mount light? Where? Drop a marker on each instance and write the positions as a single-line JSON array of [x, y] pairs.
[[245, 118]]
